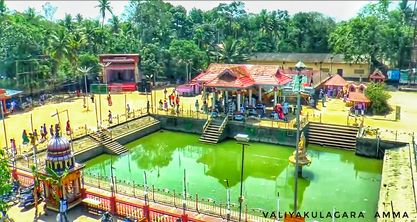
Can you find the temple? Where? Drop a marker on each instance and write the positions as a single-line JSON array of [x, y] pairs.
[[120, 71], [250, 84], [62, 173]]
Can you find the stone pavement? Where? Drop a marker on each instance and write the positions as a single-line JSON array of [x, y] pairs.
[[397, 192], [27, 215]]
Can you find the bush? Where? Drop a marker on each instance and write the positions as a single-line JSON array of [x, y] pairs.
[[379, 99]]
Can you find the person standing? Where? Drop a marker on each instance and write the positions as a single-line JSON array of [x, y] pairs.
[[109, 101], [45, 131], [68, 128], [128, 110], [42, 134], [323, 100], [165, 105], [92, 98], [25, 137], [148, 106], [110, 117], [36, 135], [165, 93], [51, 131], [197, 106]]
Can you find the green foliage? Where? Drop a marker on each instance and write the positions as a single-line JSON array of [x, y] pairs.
[[379, 98], [5, 177], [376, 35], [158, 31], [55, 179]]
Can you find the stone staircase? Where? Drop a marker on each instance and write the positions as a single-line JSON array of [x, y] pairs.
[[338, 136], [213, 130], [112, 146]]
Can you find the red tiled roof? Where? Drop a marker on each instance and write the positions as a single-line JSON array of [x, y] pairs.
[[358, 97], [248, 75], [336, 80], [233, 77], [212, 72], [377, 74]]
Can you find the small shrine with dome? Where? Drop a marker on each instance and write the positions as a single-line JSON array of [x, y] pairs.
[[62, 174]]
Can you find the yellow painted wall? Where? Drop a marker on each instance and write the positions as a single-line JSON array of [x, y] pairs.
[[348, 69]]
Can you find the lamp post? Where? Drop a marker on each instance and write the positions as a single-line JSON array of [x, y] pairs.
[[184, 195], [145, 187], [104, 66], [331, 65], [228, 199], [4, 123], [321, 64], [112, 178], [242, 139], [299, 67], [85, 70]]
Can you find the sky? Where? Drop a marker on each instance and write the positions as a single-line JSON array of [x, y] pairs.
[[339, 10]]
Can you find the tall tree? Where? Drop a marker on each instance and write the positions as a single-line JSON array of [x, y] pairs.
[[104, 6], [231, 51], [49, 11], [5, 177]]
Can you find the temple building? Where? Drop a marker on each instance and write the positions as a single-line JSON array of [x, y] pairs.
[[63, 175], [250, 84], [120, 71]]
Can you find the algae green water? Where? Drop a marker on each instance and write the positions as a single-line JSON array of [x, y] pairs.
[[336, 178]]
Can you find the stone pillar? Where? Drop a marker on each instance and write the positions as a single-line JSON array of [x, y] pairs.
[[250, 97], [238, 100], [260, 94], [204, 93], [275, 95], [226, 96], [136, 73], [213, 101], [112, 204]]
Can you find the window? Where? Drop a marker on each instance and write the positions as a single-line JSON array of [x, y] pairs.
[[359, 71], [340, 72], [325, 69]]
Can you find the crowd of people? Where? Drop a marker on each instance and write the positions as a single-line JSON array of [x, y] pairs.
[[173, 102]]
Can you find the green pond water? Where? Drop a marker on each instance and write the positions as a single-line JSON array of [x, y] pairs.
[[336, 178]]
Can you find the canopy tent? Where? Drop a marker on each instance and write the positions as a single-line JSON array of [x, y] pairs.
[[336, 80], [358, 97]]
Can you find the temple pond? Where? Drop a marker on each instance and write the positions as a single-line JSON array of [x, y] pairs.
[[336, 178]]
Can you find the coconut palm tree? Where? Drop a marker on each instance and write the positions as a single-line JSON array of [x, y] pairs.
[[55, 180], [104, 6], [231, 51], [36, 187]]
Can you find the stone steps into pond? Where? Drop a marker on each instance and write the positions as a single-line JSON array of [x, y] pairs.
[[112, 146], [213, 130], [338, 136]]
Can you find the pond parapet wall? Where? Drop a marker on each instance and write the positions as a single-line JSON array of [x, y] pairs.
[[375, 148], [262, 134]]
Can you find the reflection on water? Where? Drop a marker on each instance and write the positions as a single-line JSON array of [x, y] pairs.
[[336, 178]]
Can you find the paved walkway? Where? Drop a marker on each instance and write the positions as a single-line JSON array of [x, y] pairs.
[[397, 190], [27, 215]]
